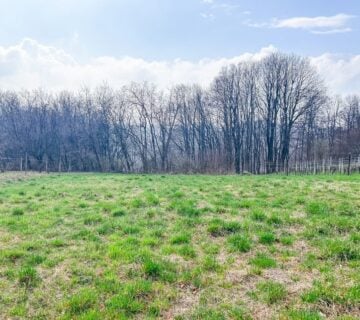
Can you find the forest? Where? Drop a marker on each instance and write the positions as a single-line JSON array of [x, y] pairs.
[[255, 117]]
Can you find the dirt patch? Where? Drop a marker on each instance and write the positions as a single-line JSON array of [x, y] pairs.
[[187, 299], [8, 239], [14, 176]]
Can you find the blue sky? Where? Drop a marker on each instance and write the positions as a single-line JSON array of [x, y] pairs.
[[165, 30], [168, 29]]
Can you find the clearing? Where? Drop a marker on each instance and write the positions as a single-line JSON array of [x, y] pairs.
[[107, 246]]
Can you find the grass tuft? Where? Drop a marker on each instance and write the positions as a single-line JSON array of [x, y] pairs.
[[270, 292], [263, 261], [239, 243], [18, 212]]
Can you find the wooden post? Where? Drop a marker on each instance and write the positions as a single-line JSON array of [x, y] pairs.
[[60, 164], [314, 166], [26, 162], [349, 165], [46, 164], [21, 168]]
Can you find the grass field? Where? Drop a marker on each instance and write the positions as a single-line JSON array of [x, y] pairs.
[[102, 246]]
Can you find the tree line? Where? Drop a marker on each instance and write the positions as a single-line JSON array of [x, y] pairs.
[[256, 117]]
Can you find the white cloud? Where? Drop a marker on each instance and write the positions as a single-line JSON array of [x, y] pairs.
[[31, 65], [341, 73], [310, 23], [209, 16], [225, 7], [317, 25], [332, 31]]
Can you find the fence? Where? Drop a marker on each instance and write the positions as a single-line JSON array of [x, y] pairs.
[[27, 163], [343, 165]]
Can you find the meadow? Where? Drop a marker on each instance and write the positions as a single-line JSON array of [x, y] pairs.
[[112, 246]]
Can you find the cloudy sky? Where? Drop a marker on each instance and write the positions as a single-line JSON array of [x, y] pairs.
[[58, 44]]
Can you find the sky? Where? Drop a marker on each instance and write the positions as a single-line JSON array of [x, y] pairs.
[[66, 44]]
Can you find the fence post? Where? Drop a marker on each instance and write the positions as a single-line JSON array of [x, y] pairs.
[[26, 162], [349, 165], [21, 168], [314, 166]]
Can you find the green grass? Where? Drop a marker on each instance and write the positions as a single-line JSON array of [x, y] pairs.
[[239, 242], [263, 261], [108, 246], [270, 292]]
